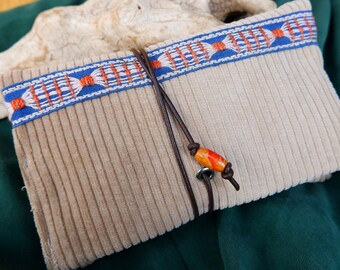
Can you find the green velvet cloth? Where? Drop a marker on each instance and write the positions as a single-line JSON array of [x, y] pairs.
[[296, 229]]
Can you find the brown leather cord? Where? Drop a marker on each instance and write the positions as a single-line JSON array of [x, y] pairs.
[[145, 63], [208, 186], [228, 174], [172, 108], [193, 146]]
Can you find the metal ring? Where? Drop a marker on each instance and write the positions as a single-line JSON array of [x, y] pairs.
[[205, 171]]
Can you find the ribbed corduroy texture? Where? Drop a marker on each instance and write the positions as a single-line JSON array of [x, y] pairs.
[[101, 175]]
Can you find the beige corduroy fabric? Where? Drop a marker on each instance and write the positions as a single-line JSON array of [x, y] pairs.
[[101, 174]]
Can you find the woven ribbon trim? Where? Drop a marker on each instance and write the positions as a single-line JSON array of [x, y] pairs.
[[37, 97]]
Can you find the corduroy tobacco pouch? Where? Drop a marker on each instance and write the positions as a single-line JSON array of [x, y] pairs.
[[95, 155]]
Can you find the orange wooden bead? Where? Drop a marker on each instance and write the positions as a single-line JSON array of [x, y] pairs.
[[210, 159]]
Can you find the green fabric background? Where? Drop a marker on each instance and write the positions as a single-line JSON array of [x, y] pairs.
[[296, 229]]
